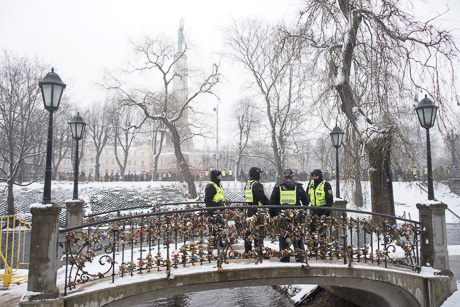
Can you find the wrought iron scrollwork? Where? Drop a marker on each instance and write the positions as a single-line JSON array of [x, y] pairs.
[[161, 241]]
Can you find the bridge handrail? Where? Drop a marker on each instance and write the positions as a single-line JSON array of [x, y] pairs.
[[327, 238], [152, 206], [235, 207]]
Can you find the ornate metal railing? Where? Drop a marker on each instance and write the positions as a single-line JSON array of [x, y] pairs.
[[164, 240]]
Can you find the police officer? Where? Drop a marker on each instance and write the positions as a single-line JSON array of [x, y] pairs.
[[214, 194], [214, 197], [415, 173], [254, 195], [320, 193], [288, 192]]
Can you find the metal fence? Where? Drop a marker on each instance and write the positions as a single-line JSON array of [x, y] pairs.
[[162, 240], [13, 253]]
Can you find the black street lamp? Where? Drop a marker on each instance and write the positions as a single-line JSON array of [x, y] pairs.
[[217, 156], [336, 138], [77, 126], [51, 87], [426, 112]]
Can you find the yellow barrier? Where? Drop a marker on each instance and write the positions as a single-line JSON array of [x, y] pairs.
[[12, 248]]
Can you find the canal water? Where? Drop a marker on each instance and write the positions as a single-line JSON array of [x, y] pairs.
[[237, 297]]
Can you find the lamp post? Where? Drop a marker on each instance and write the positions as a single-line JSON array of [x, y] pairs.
[[51, 87], [426, 112], [336, 138], [77, 126], [217, 135]]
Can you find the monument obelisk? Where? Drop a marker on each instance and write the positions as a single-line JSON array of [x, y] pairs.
[[180, 89]]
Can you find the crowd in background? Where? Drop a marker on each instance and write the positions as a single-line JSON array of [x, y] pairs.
[[269, 175]]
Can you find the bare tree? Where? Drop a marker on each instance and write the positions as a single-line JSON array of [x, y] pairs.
[[352, 169], [247, 121], [21, 113], [158, 57], [126, 123], [62, 137], [157, 136], [100, 131], [274, 64], [375, 56]]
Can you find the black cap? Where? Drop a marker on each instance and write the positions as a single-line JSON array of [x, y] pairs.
[[316, 172], [215, 173], [254, 173], [288, 173]]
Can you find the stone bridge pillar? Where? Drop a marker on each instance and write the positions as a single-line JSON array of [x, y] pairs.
[[434, 237], [43, 263], [74, 215], [338, 203]]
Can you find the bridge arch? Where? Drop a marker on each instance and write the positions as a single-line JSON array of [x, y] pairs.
[[374, 286]]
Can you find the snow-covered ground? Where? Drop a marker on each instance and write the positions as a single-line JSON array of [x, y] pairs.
[[406, 195]]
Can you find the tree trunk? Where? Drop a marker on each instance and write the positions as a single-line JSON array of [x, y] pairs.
[[237, 169], [157, 153], [379, 153], [356, 172], [358, 191], [181, 160], [97, 172], [155, 166], [10, 198]]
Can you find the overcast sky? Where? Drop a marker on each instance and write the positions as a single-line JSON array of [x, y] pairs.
[[82, 38]]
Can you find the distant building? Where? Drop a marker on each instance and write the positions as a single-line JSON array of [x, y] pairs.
[[139, 161]]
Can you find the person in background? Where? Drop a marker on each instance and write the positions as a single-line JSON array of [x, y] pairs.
[[255, 196], [288, 192]]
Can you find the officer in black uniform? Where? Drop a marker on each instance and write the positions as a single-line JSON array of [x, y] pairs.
[[254, 196], [288, 192]]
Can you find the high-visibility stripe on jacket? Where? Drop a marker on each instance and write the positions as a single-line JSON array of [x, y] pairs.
[[219, 196], [248, 194], [288, 197], [318, 196]]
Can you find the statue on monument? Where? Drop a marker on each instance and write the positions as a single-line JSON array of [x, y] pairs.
[[181, 35]]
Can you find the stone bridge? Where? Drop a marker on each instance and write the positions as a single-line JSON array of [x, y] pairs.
[[364, 286], [377, 286]]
